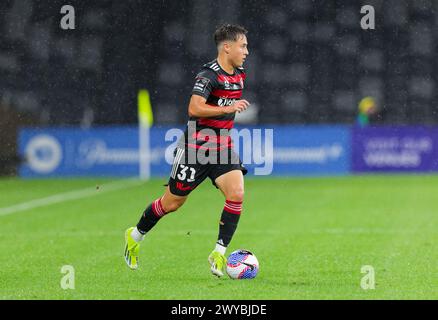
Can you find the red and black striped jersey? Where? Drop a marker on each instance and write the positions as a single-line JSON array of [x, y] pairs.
[[220, 89]]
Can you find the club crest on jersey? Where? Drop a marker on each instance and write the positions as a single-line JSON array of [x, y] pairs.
[[224, 102], [233, 86], [227, 85]]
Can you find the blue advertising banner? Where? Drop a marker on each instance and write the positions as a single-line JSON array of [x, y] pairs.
[[105, 151], [395, 149], [114, 151], [302, 150]]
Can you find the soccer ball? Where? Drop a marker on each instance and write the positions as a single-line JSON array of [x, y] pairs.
[[242, 264]]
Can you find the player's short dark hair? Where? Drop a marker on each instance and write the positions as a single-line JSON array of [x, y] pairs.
[[230, 32]]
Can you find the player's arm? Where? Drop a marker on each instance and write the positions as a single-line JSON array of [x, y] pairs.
[[205, 83], [199, 108]]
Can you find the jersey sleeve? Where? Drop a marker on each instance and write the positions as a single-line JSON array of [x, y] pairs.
[[205, 82]]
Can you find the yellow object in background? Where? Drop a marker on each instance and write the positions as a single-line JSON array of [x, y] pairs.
[[367, 107], [366, 104], [145, 115]]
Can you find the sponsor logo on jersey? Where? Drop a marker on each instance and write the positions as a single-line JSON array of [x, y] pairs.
[[224, 102]]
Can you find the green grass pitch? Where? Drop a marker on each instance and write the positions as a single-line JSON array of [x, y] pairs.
[[312, 236]]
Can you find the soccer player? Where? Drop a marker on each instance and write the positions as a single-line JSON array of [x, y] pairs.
[[216, 97]]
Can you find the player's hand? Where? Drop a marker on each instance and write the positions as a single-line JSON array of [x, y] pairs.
[[238, 106]]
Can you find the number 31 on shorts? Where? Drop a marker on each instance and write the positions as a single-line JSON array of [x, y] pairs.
[[182, 175]]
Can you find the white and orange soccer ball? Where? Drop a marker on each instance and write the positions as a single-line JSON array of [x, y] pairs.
[[242, 264]]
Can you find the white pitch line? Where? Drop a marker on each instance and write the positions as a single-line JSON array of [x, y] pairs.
[[68, 196]]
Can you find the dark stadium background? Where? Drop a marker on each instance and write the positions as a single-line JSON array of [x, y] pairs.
[[310, 67], [309, 62]]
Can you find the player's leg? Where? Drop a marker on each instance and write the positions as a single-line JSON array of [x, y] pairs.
[[232, 186], [153, 213], [184, 178]]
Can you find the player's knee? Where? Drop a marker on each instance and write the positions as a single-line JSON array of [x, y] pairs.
[[236, 195]]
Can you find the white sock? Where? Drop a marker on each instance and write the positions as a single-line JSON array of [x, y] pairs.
[[136, 235], [221, 249]]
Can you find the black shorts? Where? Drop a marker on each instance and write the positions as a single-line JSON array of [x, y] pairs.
[[188, 170]]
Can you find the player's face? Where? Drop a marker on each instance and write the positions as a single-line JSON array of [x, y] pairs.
[[238, 51]]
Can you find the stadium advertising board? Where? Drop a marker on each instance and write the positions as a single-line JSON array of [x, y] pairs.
[[114, 151], [395, 149]]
